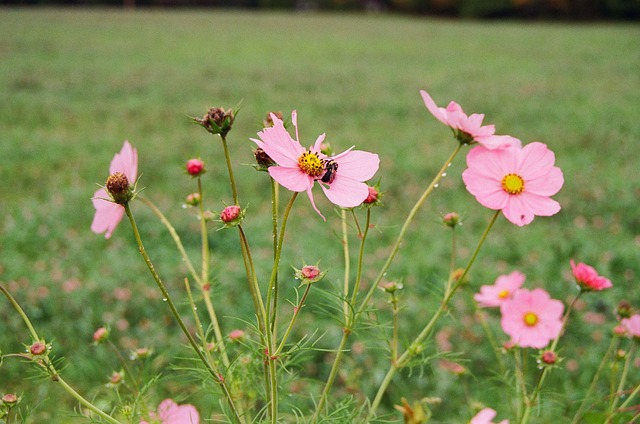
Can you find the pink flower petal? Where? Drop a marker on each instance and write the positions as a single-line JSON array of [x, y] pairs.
[[346, 192], [291, 178], [358, 165], [433, 108]]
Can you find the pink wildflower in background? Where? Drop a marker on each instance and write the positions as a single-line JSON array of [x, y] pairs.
[[468, 129], [632, 325], [109, 214], [587, 277], [516, 181], [341, 177], [170, 412], [501, 291], [532, 318], [485, 417]]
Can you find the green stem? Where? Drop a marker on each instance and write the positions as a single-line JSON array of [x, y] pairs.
[[530, 402], [232, 180], [296, 312], [48, 365], [636, 390], [347, 265], [210, 368], [405, 226], [414, 347], [206, 295], [594, 380], [274, 233], [621, 384]]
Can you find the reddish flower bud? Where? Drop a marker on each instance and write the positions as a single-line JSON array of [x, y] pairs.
[[195, 167], [451, 219], [372, 197], [263, 160], [392, 287], [549, 357], [217, 120], [624, 309], [309, 274], [100, 335], [193, 199], [236, 334], [231, 214], [38, 348], [10, 399], [118, 187]]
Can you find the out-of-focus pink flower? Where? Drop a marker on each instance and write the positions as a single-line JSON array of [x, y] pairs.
[[588, 279], [341, 177], [468, 129], [532, 318], [501, 291], [485, 417], [632, 325], [516, 181], [170, 412], [108, 214]]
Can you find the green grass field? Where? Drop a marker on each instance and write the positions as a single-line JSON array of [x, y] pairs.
[[75, 83]]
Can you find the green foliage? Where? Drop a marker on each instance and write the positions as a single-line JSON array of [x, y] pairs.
[[74, 84]]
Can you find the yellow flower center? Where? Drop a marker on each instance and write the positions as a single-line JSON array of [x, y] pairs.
[[513, 184], [530, 319], [311, 164], [503, 294]]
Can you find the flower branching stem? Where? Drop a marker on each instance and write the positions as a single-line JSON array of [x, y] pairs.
[[48, 365], [211, 368], [414, 347]]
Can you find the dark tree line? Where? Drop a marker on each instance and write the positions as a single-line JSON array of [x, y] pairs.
[[524, 9]]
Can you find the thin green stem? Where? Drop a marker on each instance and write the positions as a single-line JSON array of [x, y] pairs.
[[48, 365], [296, 312], [623, 381], [232, 180], [347, 264], [530, 402], [405, 226], [274, 232], [594, 380], [492, 340], [166, 297], [414, 347], [521, 389], [203, 284], [394, 338], [636, 390]]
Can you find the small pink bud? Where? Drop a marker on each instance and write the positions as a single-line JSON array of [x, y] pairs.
[[392, 287], [100, 335], [38, 348], [236, 334], [451, 219], [310, 271], [230, 214], [116, 378], [193, 199], [620, 330], [140, 353], [549, 357], [9, 399], [372, 197], [195, 167], [509, 345]]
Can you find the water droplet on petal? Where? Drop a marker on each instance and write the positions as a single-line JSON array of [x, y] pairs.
[[436, 185], [164, 299]]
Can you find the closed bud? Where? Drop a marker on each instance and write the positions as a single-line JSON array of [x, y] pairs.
[[217, 121], [309, 274], [263, 160], [195, 167], [10, 399], [231, 215], [118, 187], [38, 348], [451, 219], [193, 199], [100, 335]]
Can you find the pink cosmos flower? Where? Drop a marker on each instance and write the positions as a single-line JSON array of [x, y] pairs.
[[485, 416], [532, 318], [588, 279], [170, 412], [632, 325], [501, 291], [108, 214], [340, 177], [516, 181], [468, 129]]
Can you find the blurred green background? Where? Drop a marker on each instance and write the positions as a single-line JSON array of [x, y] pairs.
[[75, 83]]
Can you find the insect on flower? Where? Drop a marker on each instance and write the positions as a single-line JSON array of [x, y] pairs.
[[330, 167]]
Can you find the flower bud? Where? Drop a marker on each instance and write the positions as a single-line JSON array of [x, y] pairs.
[[193, 199], [451, 219], [38, 348], [309, 274], [10, 399], [549, 357], [372, 196], [100, 335], [217, 121], [263, 160], [236, 335], [392, 287], [624, 309], [231, 215], [268, 122], [140, 353], [195, 167], [116, 378], [118, 187]]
